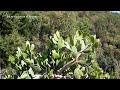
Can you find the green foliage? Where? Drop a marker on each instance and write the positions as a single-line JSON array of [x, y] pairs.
[[8, 45], [71, 31], [25, 63], [85, 24], [58, 60]]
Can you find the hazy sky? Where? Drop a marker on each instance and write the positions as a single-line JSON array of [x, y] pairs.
[[116, 11]]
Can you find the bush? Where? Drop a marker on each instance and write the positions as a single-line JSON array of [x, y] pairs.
[[73, 57]]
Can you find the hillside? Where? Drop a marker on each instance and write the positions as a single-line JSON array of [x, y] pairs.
[[37, 27]]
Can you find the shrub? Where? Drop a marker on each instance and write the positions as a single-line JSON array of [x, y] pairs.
[[73, 57]]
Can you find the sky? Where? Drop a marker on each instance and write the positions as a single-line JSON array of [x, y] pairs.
[[116, 11]]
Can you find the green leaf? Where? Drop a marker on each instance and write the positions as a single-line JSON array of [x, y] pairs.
[[19, 50], [24, 55], [25, 75], [71, 40], [74, 51], [84, 34], [92, 39], [54, 41], [11, 59], [32, 47], [36, 68], [28, 61], [31, 71], [58, 34], [51, 73], [79, 47], [67, 46], [76, 37], [23, 63], [46, 61], [20, 67], [32, 61], [107, 75], [97, 42], [61, 43], [77, 33], [80, 72], [18, 54], [83, 69], [75, 40], [55, 37], [76, 73], [82, 45], [57, 62], [55, 54], [27, 44]]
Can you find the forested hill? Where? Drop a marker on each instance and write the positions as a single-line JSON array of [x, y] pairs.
[[17, 27]]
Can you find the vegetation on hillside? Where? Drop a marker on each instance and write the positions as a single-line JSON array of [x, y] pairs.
[[59, 44]]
